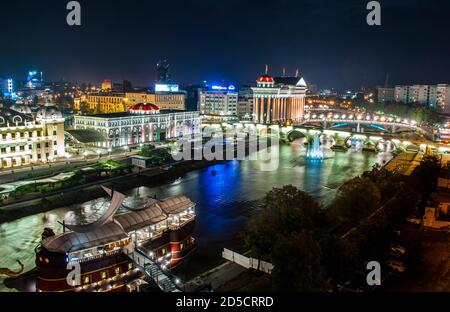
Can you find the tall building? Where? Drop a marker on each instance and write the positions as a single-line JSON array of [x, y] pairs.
[[162, 71], [6, 87], [386, 95], [279, 99], [34, 80], [417, 94], [30, 138], [218, 100], [193, 96], [245, 103], [443, 98]]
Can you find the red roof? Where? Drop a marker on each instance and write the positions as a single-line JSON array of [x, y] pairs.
[[144, 107], [265, 78]]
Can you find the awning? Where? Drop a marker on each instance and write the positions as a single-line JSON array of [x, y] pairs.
[[87, 136]]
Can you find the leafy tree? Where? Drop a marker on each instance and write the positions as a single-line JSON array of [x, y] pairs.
[[340, 258], [356, 199], [297, 265], [424, 178]]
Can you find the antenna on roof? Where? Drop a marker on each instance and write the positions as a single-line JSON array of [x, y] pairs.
[[267, 69], [296, 72]]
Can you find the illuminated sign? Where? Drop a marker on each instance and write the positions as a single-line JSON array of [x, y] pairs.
[[222, 88], [162, 87]]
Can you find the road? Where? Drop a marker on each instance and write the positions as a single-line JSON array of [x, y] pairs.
[[27, 172]]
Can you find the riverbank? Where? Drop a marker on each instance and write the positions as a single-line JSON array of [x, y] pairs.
[[83, 193]]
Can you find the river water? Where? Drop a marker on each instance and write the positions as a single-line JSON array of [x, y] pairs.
[[227, 195]]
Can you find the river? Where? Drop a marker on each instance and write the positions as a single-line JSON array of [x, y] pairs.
[[227, 195]]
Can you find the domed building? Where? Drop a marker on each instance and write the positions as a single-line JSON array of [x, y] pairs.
[[29, 138], [48, 112], [144, 109], [142, 123]]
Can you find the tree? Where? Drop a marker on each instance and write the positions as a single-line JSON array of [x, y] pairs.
[[282, 233], [425, 177], [356, 199], [297, 265], [340, 259]]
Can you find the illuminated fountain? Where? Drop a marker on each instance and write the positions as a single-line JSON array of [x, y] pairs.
[[314, 151]]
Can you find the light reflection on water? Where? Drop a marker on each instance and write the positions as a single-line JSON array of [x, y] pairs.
[[226, 194]]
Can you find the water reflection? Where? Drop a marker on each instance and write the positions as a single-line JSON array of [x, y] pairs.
[[226, 194]]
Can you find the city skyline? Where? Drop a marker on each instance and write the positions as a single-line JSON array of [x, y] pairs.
[[341, 51]]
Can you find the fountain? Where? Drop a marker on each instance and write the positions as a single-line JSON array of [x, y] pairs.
[[314, 151]]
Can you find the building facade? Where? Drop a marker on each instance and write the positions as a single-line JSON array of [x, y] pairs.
[[30, 138], [279, 99], [417, 94], [142, 123], [218, 100], [443, 98], [386, 95], [106, 103]]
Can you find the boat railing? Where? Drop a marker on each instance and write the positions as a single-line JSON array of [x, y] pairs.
[[98, 256]]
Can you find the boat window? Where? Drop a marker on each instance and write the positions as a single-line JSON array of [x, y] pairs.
[[104, 275]]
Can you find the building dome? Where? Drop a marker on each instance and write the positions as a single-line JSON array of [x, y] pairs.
[[21, 108], [48, 112], [144, 108], [265, 78]]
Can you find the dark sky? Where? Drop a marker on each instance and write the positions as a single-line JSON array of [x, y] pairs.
[[329, 41]]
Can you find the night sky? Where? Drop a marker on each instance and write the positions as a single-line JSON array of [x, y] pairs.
[[329, 41]]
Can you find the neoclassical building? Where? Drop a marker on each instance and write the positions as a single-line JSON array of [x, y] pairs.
[[142, 123], [28, 137], [278, 99]]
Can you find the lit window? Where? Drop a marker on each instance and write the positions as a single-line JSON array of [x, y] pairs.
[[130, 266], [87, 279], [104, 276], [117, 270], [46, 260]]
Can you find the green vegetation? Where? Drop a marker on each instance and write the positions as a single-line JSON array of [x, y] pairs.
[[314, 249], [423, 115], [158, 156]]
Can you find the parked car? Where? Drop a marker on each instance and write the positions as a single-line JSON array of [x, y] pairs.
[[398, 250], [414, 220], [396, 265]]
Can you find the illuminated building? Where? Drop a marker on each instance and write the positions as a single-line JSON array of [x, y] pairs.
[[420, 94], [107, 85], [110, 102], [279, 99], [30, 138], [34, 80], [140, 124], [169, 96], [218, 100], [443, 97], [6, 87]]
